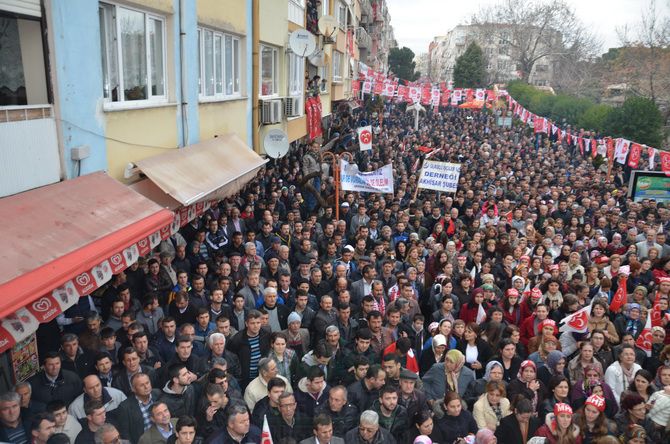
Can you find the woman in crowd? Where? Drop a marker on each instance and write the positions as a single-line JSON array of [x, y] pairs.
[[630, 321], [555, 366], [527, 385], [642, 385], [509, 360], [599, 320], [593, 384], [633, 412], [438, 347], [286, 358], [422, 424], [493, 373], [601, 348], [547, 345], [592, 421], [511, 307], [476, 351], [452, 420], [585, 358], [491, 406], [559, 427], [559, 391]]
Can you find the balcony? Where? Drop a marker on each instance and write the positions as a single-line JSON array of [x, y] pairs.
[[366, 11], [363, 39]]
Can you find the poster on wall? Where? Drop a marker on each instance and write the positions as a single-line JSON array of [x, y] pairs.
[[25, 362]]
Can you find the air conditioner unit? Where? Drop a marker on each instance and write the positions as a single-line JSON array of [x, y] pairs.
[[293, 106], [271, 111]]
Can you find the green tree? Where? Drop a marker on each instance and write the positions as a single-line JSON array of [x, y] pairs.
[[470, 69], [401, 63], [595, 117], [638, 119]]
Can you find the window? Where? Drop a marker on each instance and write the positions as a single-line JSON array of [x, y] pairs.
[[296, 75], [133, 54], [337, 66], [296, 11], [342, 15], [219, 62], [325, 7], [268, 70], [323, 73]]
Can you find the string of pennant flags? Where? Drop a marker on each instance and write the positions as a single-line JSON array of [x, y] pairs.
[[621, 150]]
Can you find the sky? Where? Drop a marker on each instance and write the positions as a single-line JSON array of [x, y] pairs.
[[416, 22]]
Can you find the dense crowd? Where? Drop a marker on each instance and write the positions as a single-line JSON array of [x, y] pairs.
[[411, 318]]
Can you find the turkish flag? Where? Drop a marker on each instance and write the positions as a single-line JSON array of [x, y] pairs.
[[619, 297], [403, 92], [539, 124], [635, 154], [665, 162], [378, 88], [644, 340]]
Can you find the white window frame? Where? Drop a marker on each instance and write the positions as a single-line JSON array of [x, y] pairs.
[[296, 78], [338, 62], [275, 71], [116, 48], [325, 7], [296, 12], [221, 94], [323, 73], [341, 15]]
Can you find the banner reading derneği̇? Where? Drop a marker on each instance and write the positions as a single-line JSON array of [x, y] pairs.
[[439, 176], [378, 181]]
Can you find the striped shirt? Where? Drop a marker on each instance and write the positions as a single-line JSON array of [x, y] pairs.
[[255, 346]]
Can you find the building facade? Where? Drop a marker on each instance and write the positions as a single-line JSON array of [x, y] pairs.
[[98, 85], [499, 54]]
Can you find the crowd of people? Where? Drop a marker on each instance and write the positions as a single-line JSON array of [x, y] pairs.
[[416, 317]]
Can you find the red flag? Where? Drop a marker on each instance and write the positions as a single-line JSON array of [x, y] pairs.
[[469, 95], [378, 88], [594, 148], [665, 162], [619, 297], [403, 92], [539, 124], [644, 340], [656, 311], [635, 154], [580, 143], [610, 148], [424, 149]]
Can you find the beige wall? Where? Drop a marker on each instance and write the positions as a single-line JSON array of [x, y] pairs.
[[138, 129], [32, 56], [226, 15], [219, 118]]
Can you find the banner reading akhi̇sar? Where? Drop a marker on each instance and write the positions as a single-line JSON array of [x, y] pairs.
[[377, 181], [439, 176]]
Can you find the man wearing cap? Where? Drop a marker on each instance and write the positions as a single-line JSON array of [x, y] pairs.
[[413, 399]]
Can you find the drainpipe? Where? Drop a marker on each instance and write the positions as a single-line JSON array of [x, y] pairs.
[[255, 74], [182, 78], [250, 69]]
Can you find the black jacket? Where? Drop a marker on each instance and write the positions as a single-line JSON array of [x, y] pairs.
[[301, 429], [449, 428], [282, 315], [66, 387], [240, 346], [122, 383], [179, 404], [343, 421], [23, 421], [129, 420], [509, 430], [359, 396]]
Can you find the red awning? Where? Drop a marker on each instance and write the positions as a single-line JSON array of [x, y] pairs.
[[64, 241]]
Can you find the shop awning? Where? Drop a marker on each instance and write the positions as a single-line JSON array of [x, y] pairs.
[[64, 241], [207, 171]]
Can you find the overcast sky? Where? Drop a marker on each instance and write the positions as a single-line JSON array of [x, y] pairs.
[[416, 22]]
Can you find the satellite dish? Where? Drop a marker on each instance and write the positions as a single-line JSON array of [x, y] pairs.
[[328, 26], [275, 143], [318, 58], [302, 42]]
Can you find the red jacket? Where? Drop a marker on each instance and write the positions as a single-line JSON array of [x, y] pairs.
[[411, 363], [469, 313], [528, 330]]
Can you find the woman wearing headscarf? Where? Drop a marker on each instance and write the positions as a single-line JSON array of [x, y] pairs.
[[593, 384], [493, 373], [436, 353], [448, 376], [630, 321], [555, 365], [527, 385]]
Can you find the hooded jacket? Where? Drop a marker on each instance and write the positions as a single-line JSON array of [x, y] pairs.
[[180, 404], [550, 433]]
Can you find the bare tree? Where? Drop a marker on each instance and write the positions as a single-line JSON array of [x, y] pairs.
[[535, 30]]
